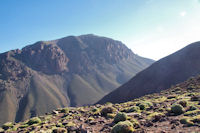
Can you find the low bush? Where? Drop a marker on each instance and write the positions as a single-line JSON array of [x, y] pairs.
[[195, 98], [71, 124], [107, 110], [59, 130], [156, 116], [177, 109], [186, 121], [133, 109], [183, 103], [34, 120], [123, 127], [7, 125], [65, 110], [171, 97], [110, 115], [144, 105], [23, 126], [192, 113], [120, 117], [192, 107], [196, 119]]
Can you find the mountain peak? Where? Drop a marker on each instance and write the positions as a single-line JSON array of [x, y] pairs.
[[71, 71]]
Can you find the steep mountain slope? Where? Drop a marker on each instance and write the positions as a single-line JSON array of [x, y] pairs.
[[175, 110], [161, 75], [71, 71]]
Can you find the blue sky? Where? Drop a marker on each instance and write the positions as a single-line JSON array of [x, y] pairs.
[[151, 28]]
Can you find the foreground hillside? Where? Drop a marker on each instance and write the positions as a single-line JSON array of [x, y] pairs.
[[176, 110], [164, 73], [71, 71]]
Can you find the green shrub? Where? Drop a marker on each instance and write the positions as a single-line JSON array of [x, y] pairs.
[[95, 109], [133, 109], [90, 119], [171, 97], [134, 122], [34, 120], [107, 110], [59, 125], [110, 115], [156, 116], [65, 110], [191, 87], [59, 130], [120, 117], [177, 109], [23, 126], [71, 124], [7, 125], [192, 107], [177, 89], [183, 103], [192, 113], [144, 105], [123, 127], [195, 98], [186, 121], [108, 103], [196, 119], [124, 110]]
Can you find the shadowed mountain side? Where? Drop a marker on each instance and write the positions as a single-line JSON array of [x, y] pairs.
[[164, 73]]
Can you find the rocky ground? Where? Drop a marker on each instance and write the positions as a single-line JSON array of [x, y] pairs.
[[176, 110]]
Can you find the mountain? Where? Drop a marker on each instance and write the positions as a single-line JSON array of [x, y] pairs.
[[161, 75], [71, 71], [175, 110]]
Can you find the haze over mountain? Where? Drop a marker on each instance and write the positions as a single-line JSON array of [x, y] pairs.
[[71, 71], [161, 75]]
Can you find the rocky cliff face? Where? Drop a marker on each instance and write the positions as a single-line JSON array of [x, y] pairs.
[[47, 58], [71, 71]]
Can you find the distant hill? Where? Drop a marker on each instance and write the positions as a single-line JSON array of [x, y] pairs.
[[161, 75], [71, 71]]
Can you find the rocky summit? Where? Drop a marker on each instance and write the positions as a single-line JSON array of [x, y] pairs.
[[71, 71]]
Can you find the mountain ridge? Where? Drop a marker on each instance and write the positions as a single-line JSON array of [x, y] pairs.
[[50, 74]]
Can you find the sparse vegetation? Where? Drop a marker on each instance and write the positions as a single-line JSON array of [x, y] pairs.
[[147, 112]]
